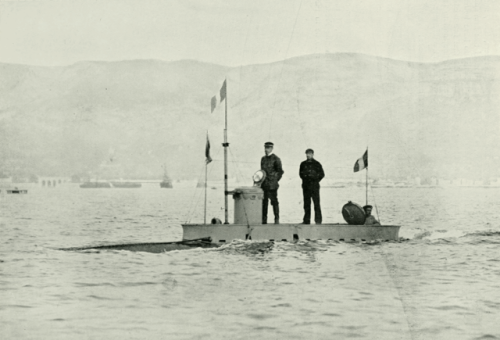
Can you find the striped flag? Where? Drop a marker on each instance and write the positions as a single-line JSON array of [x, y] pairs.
[[207, 151], [222, 95], [361, 163], [223, 92], [213, 103]]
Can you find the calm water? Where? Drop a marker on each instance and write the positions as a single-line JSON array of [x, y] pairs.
[[444, 283]]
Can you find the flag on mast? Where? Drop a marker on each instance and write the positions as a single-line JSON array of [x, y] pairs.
[[223, 92], [213, 103], [207, 151], [362, 162]]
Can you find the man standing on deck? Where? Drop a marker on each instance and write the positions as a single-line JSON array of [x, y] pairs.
[[271, 164], [311, 173], [370, 220]]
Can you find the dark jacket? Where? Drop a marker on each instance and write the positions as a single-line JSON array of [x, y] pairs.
[[311, 173], [272, 166]]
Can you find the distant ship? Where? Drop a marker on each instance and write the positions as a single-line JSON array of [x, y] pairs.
[[127, 185], [93, 185], [17, 191], [7, 188], [166, 182]]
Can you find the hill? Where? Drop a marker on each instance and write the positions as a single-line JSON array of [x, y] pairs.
[[124, 119]]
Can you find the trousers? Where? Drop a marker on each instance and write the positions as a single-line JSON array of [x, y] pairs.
[[270, 195], [312, 193]]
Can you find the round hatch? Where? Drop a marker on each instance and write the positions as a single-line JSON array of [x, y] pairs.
[[353, 213]]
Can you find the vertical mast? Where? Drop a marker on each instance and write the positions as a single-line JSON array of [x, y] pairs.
[[226, 145], [366, 180], [205, 210], [366, 185], [205, 206]]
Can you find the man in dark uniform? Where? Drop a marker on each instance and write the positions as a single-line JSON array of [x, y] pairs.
[[311, 173], [271, 164]]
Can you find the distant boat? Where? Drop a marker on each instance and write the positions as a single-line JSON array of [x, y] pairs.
[[126, 185], [17, 191], [166, 182], [95, 185]]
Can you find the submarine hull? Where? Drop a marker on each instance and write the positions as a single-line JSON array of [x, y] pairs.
[[222, 233]]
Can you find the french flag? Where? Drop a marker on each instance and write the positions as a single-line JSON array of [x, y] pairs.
[[362, 162]]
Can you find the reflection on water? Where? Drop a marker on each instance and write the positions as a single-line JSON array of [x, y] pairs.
[[442, 283]]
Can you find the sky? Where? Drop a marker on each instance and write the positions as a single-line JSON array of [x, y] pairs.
[[237, 32]]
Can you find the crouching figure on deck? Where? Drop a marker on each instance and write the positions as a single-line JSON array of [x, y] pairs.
[[271, 164], [311, 173], [370, 220]]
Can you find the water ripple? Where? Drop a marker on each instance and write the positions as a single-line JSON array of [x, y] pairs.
[[440, 281]]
